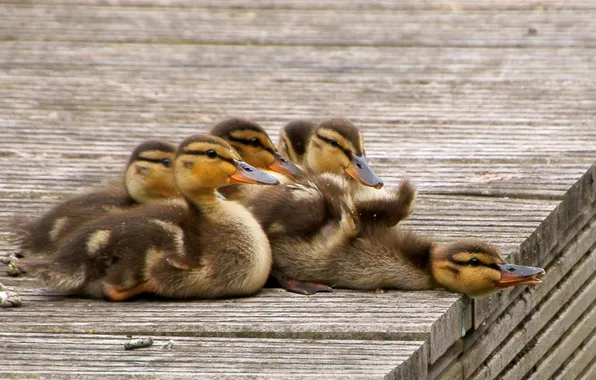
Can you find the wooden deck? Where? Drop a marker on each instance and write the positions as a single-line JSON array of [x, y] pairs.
[[489, 107]]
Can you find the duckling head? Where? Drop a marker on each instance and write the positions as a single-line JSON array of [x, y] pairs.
[[254, 146], [337, 146], [149, 175], [206, 162], [476, 268]]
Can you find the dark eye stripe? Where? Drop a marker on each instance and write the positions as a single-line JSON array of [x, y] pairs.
[[248, 142], [330, 141], [204, 153], [153, 160], [483, 264]]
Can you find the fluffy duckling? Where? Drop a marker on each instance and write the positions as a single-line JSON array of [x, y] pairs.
[[322, 216], [204, 247], [371, 255], [332, 146], [148, 178], [256, 148]]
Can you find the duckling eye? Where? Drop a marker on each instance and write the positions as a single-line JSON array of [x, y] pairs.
[[334, 143], [211, 153], [166, 162], [474, 262], [254, 142]]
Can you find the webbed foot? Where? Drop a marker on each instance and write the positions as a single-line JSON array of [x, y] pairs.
[[303, 287], [114, 293]]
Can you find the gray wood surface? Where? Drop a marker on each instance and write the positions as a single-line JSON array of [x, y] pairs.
[[582, 359], [487, 106], [89, 355]]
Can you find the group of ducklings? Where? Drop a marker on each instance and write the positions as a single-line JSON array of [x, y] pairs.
[[196, 222]]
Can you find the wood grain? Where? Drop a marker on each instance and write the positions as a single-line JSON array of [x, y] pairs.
[[288, 27], [89, 355], [487, 106]]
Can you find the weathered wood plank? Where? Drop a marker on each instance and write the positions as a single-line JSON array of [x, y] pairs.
[[570, 341], [589, 374], [580, 360], [273, 313], [443, 5], [411, 65], [286, 27], [93, 354]]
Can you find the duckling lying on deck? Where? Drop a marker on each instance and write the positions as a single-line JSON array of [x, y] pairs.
[[255, 147], [372, 256], [332, 146], [204, 247], [148, 178]]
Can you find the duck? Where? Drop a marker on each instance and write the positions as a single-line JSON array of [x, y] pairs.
[[200, 247], [148, 178], [255, 147], [342, 251], [333, 145]]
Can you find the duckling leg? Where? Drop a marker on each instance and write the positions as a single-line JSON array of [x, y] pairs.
[[114, 293], [300, 287]]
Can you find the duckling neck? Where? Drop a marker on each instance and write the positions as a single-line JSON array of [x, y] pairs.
[[204, 198]]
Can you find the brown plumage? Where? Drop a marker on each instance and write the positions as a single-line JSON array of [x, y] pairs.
[[255, 147], [373, 255], [148, 178], [200, 247]]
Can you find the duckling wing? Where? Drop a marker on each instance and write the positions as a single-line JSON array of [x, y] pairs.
[[113, 249], [385, 207], [301, 208], [45, 232]]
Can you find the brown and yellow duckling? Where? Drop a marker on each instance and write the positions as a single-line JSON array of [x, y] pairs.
[[256, 148], [331, 146], [148, 178], [204, 247], [370, 255], [337, 146]]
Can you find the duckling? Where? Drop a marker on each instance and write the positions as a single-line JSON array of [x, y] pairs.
[[256, 148], [322, 216], [148, 178], [331, 146], [204, 247], [371, 255], [337, 146]]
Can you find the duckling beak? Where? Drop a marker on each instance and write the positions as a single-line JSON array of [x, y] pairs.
[[249, 174], [512, 275], [359, 170], [286, 167]]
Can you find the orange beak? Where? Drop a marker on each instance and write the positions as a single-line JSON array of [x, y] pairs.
[[246, 173], [513, 275], [286, 167], [359, 170]]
